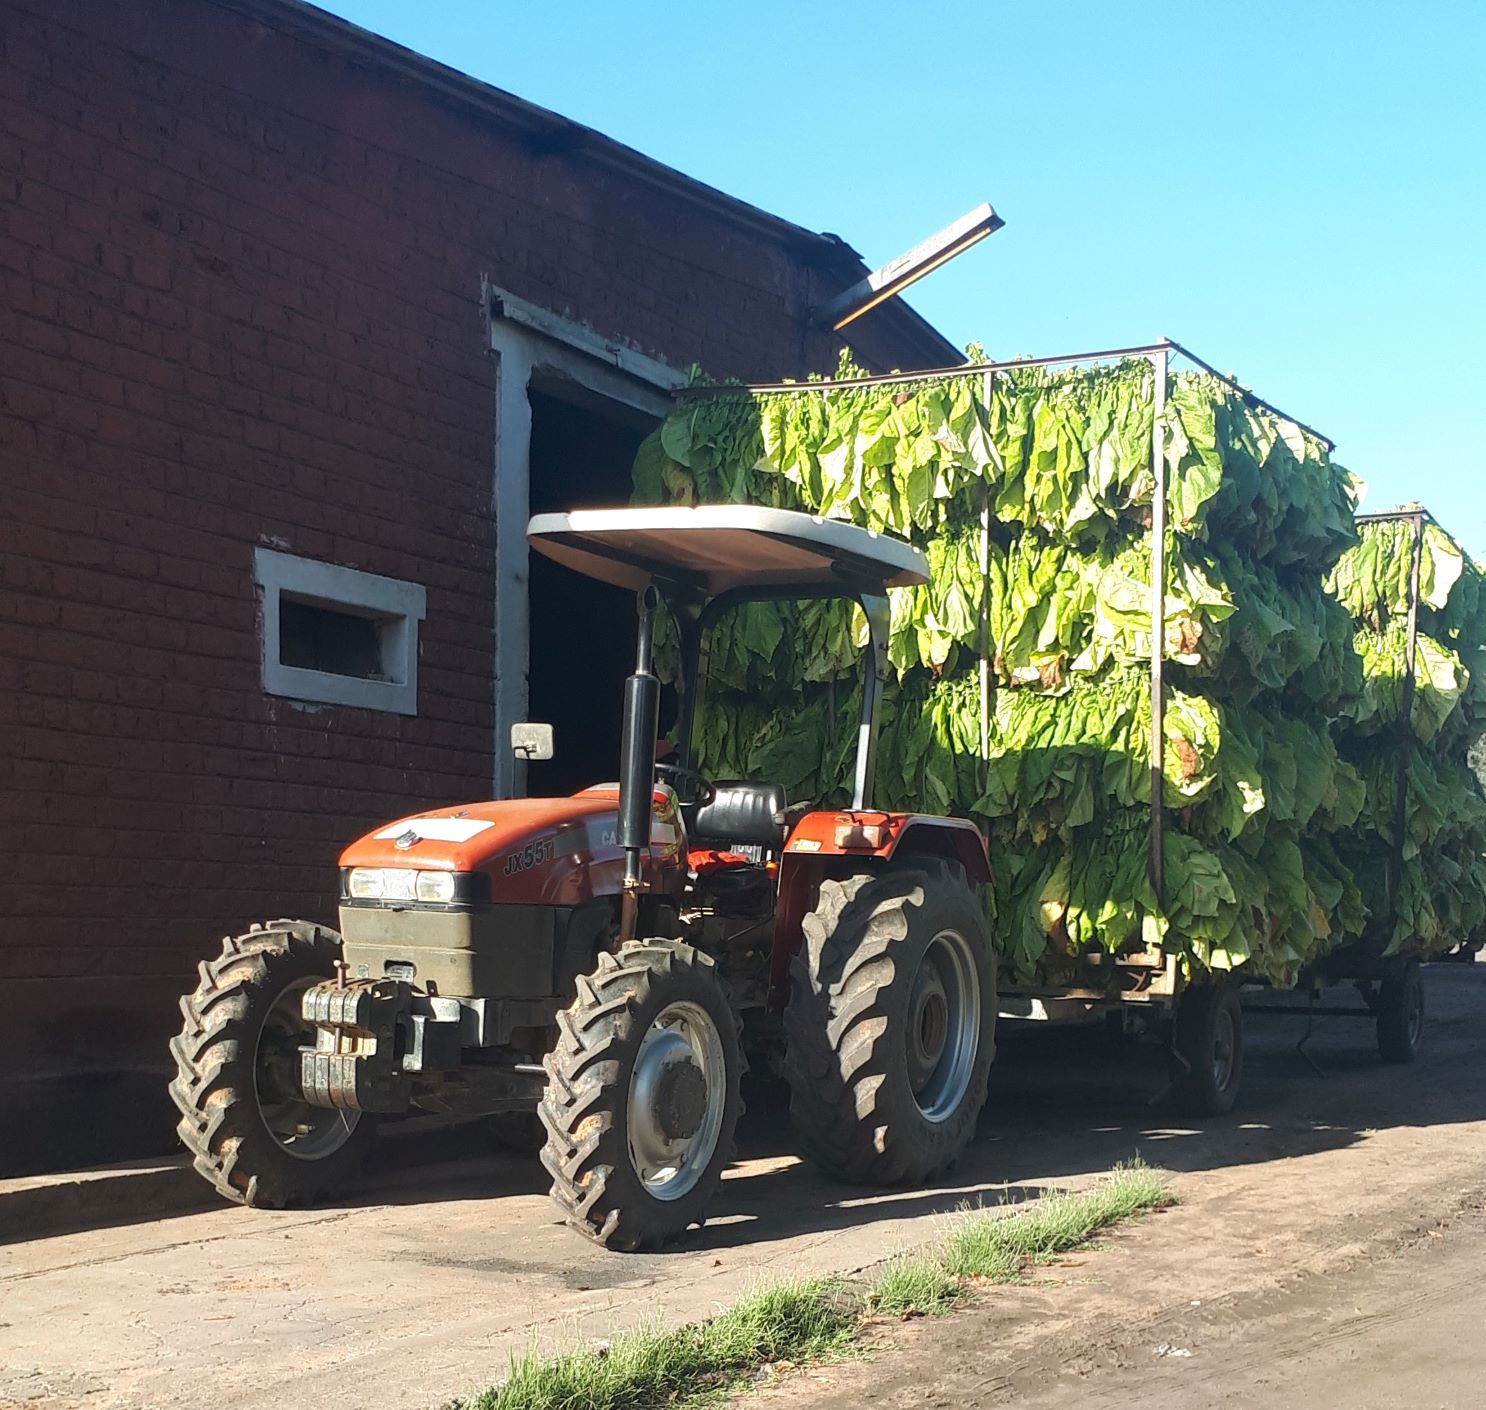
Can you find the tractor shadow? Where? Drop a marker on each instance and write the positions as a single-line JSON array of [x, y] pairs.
[[1067, 1103]]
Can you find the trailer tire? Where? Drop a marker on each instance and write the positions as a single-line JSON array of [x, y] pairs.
[[1401, 1013], [890, 1026], [1207, 1046], [247, 1132], [620, 1103]]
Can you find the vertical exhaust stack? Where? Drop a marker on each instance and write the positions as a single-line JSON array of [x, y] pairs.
[[637, 762]]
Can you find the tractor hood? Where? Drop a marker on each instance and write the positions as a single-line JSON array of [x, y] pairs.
[[553, 851]]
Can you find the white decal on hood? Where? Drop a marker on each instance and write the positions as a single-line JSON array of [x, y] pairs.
[[437, 829]]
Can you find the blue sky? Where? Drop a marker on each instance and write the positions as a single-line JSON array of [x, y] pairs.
[[1294, 190]]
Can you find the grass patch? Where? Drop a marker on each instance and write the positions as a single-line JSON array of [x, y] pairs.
[[810, 1321], [914, 1287], [654, 1367], [997, 1247]]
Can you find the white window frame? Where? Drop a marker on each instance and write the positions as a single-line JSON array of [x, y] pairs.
[[399, 605]]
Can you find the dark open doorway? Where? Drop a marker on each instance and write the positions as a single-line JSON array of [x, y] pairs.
[[582, 632]]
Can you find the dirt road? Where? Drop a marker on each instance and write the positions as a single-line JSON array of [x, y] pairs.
[[1334, 1265], [1397, 1326], [422, 1286]]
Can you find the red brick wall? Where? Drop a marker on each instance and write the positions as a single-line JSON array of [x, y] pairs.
[[240, 278]]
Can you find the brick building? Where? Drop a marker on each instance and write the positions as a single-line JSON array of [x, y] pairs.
[[296, 326]]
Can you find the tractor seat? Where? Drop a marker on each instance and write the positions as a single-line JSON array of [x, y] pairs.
[[741, 815]]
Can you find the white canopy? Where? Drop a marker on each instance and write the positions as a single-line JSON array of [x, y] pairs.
[[716, 547]]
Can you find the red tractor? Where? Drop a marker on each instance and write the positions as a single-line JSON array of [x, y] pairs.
[[604, 959]]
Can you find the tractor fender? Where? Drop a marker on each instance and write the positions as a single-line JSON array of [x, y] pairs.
[[820, 839], [872, 834]]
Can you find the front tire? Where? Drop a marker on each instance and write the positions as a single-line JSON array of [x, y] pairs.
[[890, 1027], [243, 1118], [642, 1097]]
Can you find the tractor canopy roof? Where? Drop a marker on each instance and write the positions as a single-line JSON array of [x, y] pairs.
[[718, 548]]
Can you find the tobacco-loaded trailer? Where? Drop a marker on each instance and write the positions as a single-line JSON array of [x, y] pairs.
[[1157, 765]]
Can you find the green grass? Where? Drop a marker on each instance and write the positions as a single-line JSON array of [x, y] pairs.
[[915, 1287], [997, 1247], [655, 1367], [802, 1322]]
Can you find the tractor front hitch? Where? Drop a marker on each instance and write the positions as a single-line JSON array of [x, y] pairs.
[[374, 1039], [382, 1046]]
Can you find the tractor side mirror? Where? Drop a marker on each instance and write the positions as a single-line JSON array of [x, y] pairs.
[[531, 742]]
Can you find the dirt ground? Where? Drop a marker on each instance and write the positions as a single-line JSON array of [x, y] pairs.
[[1330, 1248], [1337, 1263], [1394, 1324]]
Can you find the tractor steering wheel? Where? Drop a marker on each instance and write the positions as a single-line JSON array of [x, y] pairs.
[[702, 790]]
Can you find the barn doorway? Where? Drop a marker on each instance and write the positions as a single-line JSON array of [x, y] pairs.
[[582, 640]]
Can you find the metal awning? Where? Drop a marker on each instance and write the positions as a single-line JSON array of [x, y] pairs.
[[716, 548]]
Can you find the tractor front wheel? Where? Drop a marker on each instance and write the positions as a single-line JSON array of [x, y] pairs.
[[642, 1095], [243, 1114], [890, 1027]]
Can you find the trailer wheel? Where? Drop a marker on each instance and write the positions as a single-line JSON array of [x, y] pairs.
[[243, 1118], [1400, 1008], [1207, 1050], [642, 1095], [890, 1026]]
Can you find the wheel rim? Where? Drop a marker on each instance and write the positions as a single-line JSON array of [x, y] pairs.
[[677, 1093], [1225, 1049], [1414, 1013], [943, 1031], [304, 1131]]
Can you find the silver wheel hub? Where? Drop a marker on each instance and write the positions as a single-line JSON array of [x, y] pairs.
[[943, 1031], [304, 1131], [677, 1093]]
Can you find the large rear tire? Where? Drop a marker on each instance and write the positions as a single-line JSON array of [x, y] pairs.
[[243, 1118], [890, 1027], [642, 1097]]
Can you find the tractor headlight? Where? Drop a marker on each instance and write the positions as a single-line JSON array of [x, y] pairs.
[[383, 884], [436, 886], [432, 888], [366, 883]]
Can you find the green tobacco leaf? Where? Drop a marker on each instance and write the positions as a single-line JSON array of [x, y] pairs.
[[1283, 634]]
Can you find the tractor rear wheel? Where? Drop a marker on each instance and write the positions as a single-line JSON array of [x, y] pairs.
[[890, 1027], [243, 1117], [642, 1095]]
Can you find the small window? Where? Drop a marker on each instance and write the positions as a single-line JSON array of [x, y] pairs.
[[315, 638], [338, 636]]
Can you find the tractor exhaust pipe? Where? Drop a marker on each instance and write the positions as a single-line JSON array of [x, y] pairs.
[[637, 763]]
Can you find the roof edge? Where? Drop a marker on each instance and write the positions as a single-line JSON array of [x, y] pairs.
[[553, 132], [309, 22]]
